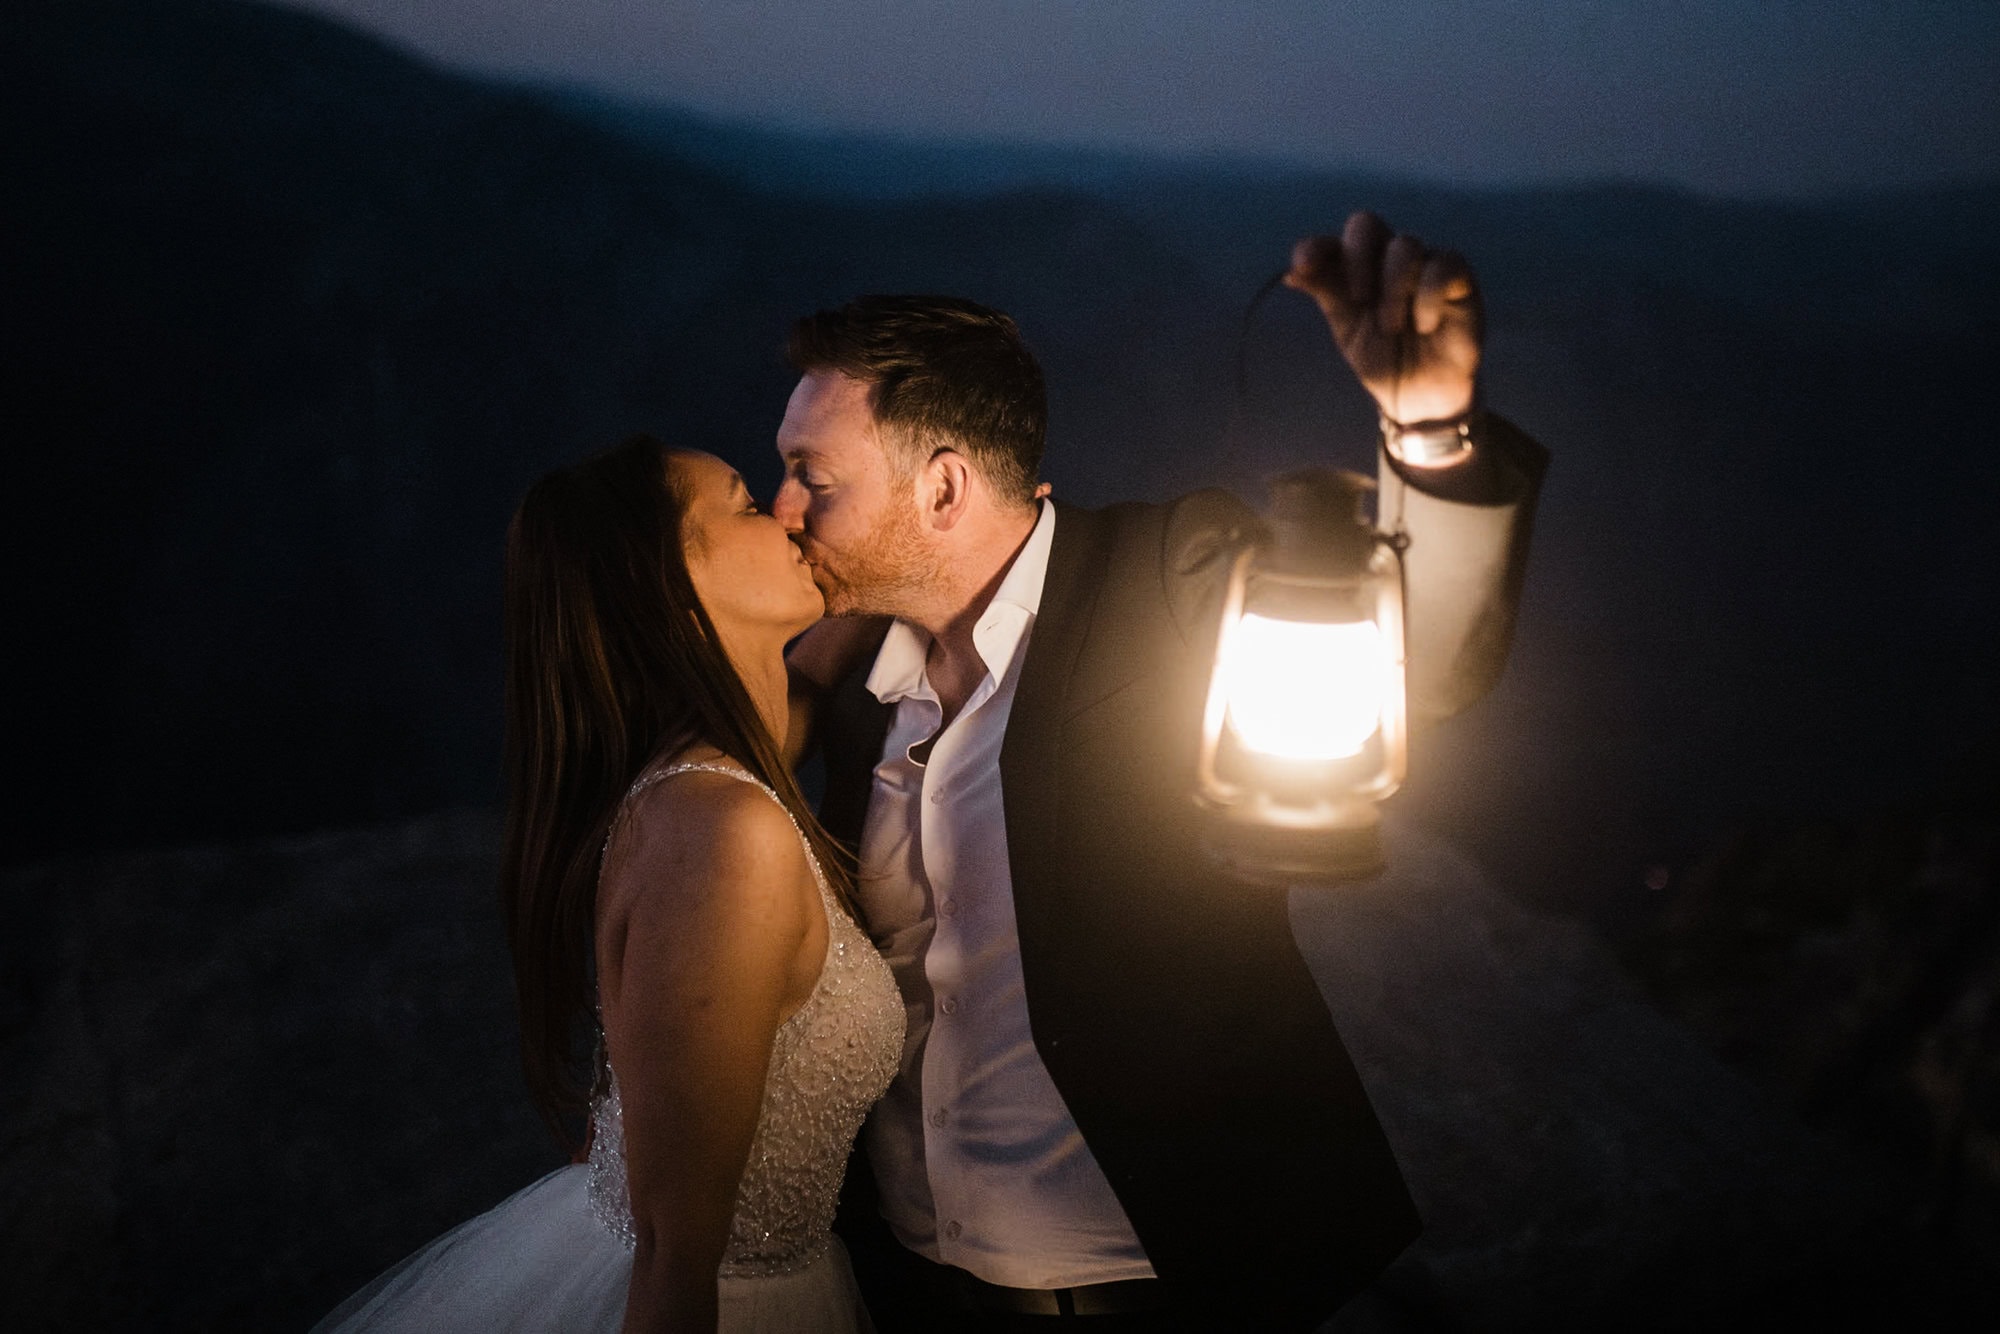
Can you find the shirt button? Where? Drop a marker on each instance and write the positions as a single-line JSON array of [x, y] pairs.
[[937, 797], [950, 1005], [939, 1117], [949, 908], [953, 1229]]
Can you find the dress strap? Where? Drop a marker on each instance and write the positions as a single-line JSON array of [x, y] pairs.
[[652, 776]]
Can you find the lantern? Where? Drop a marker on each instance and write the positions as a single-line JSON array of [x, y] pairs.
[[1306, 727]]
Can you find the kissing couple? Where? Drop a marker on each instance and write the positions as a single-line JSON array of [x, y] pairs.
[[1093, 1081]]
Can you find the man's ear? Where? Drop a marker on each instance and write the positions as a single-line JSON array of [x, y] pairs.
[[948, 488]]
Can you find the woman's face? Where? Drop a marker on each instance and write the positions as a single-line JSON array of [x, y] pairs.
[[744, 567]]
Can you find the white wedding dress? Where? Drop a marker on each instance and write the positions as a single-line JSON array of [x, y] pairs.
[[557, 1255]]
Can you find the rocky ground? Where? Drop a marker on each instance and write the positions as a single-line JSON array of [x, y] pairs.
[[237, 1080], [1582, 1160], [1852, 968]]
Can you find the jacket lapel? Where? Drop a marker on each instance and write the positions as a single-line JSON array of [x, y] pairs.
[[1028, 756]]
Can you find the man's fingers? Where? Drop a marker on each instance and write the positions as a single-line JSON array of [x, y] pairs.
[[1402, 267], [1407, 321], [1316, 271], [1361, 245], [1445, 287], [1315, 264], [1369, 273], [1316, 267]]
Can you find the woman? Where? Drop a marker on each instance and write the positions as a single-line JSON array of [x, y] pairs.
[[667, 893]]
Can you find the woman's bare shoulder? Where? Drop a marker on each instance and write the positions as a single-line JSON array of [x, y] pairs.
[[701, 840]]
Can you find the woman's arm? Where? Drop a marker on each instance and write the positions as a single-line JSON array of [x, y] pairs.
[[702, 923]]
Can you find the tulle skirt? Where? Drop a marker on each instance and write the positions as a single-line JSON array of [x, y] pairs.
[[538, 1263]]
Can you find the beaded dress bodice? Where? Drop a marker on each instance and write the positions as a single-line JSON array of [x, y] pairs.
[[830, 1061]]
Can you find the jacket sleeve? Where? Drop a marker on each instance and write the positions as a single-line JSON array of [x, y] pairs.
[[1200, 538], [1462, 569]]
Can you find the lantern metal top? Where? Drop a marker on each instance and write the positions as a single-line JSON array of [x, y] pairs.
[[1318, 524]]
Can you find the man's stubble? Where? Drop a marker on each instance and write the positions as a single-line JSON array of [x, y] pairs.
[[883, 574]]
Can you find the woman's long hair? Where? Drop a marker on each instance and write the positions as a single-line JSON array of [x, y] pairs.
[[610, 658]]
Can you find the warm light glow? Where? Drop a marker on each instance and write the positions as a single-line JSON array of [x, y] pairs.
[[1305, 690]]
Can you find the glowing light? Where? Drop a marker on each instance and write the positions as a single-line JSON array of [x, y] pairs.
[[1305, 690]]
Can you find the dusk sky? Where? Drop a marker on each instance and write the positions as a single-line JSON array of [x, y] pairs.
[[1755, 97]]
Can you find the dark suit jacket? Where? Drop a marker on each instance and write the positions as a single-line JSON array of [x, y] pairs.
[[1170, 1003]]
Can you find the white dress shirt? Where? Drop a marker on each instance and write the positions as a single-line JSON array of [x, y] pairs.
[[979, 1161]]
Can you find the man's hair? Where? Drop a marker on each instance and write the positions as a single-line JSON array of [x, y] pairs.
[[941, 372]]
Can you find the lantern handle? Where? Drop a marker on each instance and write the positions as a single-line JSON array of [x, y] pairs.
[[1232, 434]]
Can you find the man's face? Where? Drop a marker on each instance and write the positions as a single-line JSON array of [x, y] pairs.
[[844, 504]]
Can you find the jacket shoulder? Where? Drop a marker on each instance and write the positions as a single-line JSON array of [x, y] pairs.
[[1201, 532], [1175, 553]]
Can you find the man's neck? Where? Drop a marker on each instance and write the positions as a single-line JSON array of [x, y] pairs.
[[953, 665]]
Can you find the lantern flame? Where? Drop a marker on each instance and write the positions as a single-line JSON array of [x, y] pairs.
[[1305, 690]]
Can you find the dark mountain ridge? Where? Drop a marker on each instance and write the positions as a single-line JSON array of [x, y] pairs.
[[295, 317]]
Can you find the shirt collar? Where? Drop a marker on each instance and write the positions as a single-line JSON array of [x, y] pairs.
[[1002, 628]]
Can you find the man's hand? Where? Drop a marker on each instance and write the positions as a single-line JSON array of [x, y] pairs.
[[816, 662], [833, 647], [1407, 319]]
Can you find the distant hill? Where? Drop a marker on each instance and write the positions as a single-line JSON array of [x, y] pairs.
[[296, 318], [293, 317], [881, 167]]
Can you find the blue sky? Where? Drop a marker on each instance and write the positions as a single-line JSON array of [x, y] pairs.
[[1775, 98]]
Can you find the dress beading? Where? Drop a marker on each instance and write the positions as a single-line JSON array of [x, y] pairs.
[[830, 1061]]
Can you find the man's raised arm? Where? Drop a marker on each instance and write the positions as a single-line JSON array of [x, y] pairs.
[[1458, 481]]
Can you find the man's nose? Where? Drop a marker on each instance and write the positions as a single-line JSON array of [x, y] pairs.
[[788, 507]]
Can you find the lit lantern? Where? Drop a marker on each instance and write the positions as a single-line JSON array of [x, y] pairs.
[[1306, 727]]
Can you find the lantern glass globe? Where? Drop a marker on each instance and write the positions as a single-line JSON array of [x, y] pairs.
[[1305, 690]]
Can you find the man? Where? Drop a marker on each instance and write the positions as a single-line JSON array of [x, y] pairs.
[[1122, 1101]]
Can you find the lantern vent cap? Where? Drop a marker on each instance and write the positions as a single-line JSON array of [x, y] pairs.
[[1318, 523]]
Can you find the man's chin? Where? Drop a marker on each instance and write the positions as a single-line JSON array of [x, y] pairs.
[[833, 594], [845, 598], [840, 605], [844, 603]]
